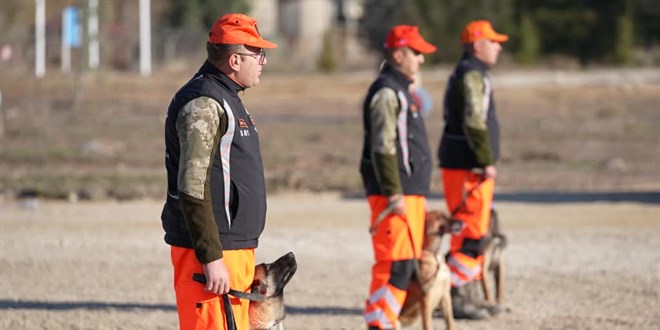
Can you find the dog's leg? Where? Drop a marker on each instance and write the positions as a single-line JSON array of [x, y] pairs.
[[447, 312], [427, 313], [485, 279], [499, 280]]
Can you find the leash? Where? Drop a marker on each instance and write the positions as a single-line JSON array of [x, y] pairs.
[[252, 296], [382, 215], [229, 313], [469, 192]]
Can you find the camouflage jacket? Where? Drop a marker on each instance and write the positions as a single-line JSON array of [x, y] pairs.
[[396, 157], [471, 134], [216, 196]]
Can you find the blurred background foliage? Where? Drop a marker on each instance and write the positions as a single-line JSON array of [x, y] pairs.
[[577, 32], [198, 15], [589, 31]]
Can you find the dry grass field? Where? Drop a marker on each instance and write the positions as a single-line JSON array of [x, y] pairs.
[[578, 194], [99, 136]]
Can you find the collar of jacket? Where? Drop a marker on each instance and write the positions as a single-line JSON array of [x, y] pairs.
[[399, 77], [212, 72], [473, 60]]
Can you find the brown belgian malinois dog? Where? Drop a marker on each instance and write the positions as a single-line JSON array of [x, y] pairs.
[[433, 285]]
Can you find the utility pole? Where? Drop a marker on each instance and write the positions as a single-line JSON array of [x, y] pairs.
[[40, 39], [93, 34], [145, 38]]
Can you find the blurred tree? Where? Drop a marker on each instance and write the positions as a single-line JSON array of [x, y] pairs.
[[12, 13], [380, 16], [440, 22], [199, 15], [587, 30], [625, 37], [529, 43], [328, 60], [647, 22]]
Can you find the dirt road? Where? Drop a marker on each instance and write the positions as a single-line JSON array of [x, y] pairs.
[[586, 265]]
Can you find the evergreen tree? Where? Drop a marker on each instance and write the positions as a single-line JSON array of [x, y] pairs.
[[624, 47], [199, 15], [529, 45]]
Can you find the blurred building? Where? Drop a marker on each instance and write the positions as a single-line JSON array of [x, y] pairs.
[[313, 34]]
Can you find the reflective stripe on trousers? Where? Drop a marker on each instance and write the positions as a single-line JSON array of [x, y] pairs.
[[383, 306], [463, 268], [397, 241], [471, 197]]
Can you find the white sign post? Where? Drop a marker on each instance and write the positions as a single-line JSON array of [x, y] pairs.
[[93, 34], [40, 38], [66, 46], [145, 37], [70, 35]]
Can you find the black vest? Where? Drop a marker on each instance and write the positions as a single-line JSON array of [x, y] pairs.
[[237, 184], [413, 153], [454, 150]]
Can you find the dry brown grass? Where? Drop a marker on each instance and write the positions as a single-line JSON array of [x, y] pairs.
[[100, 135]]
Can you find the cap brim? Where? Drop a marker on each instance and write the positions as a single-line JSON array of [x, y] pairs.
[[422, 47], [262, 43], [499, 37]]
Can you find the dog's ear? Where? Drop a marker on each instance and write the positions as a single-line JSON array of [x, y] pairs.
[[449, 224], [455, 226]]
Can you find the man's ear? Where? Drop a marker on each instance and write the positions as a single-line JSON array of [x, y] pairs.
[[234, 62], [397, 56]]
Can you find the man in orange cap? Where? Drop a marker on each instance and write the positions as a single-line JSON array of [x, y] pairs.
[[468, 151], [396, 172], [213, 162]]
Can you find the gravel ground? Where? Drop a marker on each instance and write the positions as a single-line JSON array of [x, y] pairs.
[[570, 265]]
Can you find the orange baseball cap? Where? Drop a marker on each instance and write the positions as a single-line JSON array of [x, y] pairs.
[[408, 36], [238, 29], [481, 29]]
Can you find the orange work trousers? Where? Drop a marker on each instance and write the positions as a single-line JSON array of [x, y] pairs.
[[397, 242], [201, 310], [470, 196]]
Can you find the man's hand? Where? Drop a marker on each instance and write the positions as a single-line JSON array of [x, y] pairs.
[[490, 172], [400, 207], [217, 277]]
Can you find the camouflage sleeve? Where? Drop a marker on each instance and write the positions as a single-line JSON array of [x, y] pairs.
[[384, 109], [475, 113], [199, 127]]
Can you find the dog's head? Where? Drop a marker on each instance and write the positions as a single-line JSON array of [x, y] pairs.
[[270, 279], [440, 223], [274, 276]]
